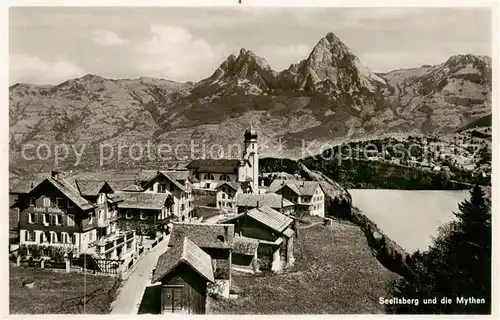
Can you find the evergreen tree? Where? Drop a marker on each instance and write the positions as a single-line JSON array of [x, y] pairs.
[[457, 265]]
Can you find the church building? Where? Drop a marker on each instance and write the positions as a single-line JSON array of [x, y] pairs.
[[208, 173]]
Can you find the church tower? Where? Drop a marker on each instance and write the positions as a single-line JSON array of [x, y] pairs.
[[251, 158]]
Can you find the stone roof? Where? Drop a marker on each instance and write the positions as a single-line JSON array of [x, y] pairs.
[[270, 217], [114, 198], [203, 235], [142, 200], [300, 187], [133, 188], [120, 184], [185, 252], [272, 200], [215, 165], [245, 245]]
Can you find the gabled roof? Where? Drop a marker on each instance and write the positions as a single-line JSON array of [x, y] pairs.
[[69, 191], [245, 245], [179, 175], [270, 217], [90, 187], [215, 165], [186, 252], [300, 187], [142, 200], [272, 200], [133, 188], [203, 235], [232, 184], [167, 175]]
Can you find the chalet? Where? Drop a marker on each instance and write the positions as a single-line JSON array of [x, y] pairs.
[[175, 184], [307, 196], [214, 239], [226, 195], [209, 172], [184, 272], [275, 201], [79, 217], [273, 231], [102, 194], [147, 208]]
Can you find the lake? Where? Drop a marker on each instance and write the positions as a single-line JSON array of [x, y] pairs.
[[409, 217]]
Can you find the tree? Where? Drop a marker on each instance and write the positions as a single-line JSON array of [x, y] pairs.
[[458, 264]]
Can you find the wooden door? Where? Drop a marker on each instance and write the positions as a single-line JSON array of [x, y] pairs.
[[172, 299]]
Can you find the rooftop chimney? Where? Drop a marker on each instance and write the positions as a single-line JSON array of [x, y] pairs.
[[54, 175]]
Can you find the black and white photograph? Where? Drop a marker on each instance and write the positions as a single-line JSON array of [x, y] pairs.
[[250, 160]]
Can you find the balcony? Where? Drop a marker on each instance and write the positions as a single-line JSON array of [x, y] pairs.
[[110, 242]]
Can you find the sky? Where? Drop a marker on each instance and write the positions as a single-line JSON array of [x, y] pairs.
[[49, 45]]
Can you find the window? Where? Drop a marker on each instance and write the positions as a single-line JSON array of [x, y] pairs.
[[118, 214], [91, 218], [208, 176], [142, 216], [59, 219], [128, 214], [32, 201], [59, 202], [91, 238], [162, 188], [46, 218], [224, 177], [71, 204], [58, 237], [172, 187], [30, 235], [182, 207], [71, 220], [46, 202], [31, 217], [223, 196], [74, 238], [220, 204], [53, 237]]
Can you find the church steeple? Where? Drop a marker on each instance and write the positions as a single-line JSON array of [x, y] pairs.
[[250, 134], [251, 158]]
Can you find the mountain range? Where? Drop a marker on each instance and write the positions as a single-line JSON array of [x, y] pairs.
[[328, 97]]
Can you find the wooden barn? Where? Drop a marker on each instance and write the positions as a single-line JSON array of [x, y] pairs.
[[184, 272], [214, 239]]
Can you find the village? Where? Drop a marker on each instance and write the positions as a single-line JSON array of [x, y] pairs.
[[103, 227]]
